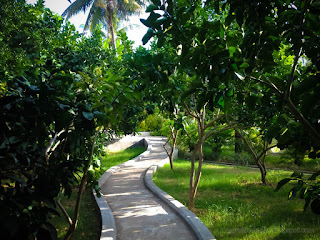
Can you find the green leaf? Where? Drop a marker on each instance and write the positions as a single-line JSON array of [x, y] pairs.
[[295, 189], [244, 65], [152, 7], [282, 183], [156, 2], [232, 50], [147, 36], [221, 102], [297, 175], [161, 41], [146, 22], [230, 92], [234, 67], [160, 21], [88, 115]]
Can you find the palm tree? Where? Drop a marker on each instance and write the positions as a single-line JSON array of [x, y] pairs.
[[107, 12]]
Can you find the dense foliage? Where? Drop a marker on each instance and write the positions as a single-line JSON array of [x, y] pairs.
[[256, 61], [57, 88]]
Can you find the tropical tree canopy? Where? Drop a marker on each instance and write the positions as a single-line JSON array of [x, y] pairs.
[[106, 12]]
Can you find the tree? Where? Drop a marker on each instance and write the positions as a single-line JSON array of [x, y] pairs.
[[205, 63], [205, 130], [105, 12], [57, 88], [284, 32]]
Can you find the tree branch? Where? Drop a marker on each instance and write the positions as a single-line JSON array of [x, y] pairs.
[[189, 112], [265, 150], [248, 145], [313, 132], [294, 67], [64, 211], [210, 134], [213, 121], [268, 83], [164, 145], [51, 143]]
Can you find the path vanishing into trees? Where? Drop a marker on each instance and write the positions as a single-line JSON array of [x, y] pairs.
[[138, 213]]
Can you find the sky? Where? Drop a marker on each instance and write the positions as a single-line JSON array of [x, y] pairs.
[[135, 29]]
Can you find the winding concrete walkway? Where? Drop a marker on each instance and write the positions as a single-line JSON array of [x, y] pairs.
[[137, 212]]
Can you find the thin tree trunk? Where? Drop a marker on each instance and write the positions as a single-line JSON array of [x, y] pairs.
[[194, 182], [65, 213], [255, 156], [192, 173], [197, 180], [263, 171], [237, 146], [80, 192], [174, 142]]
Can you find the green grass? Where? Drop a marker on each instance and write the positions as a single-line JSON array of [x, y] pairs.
[[234, 205], [273, 160], [89, 225], [89, 218], [114, 158]]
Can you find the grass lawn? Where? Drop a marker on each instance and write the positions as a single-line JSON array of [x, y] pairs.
[[273, 160], [234, 205], [115, 158], [89, 219]]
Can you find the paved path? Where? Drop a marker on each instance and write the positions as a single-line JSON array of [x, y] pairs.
[[138, 213]]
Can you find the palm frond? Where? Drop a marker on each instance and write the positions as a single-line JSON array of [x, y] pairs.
[[129, 8], [76, 7], [89, 18], [101, 3], [97, 18]]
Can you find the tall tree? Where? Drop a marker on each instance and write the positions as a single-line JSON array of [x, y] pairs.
[[105, 12]]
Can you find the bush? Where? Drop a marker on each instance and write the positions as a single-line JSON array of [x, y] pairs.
[[156, 124]]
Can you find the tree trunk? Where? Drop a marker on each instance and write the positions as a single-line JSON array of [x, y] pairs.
[[111, 31], [174, 143], [194, 182], [255, 156], [237, 143], [192, 173], [77, 208], [263, 171], [81, 190], [197, 180]]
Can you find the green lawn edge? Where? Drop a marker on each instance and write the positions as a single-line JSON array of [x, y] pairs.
[[233, 204]]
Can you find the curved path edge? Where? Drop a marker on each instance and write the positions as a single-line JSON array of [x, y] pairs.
[[198, 227], [108, 225]]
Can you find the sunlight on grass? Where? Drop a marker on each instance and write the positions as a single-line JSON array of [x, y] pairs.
[[114, 158], [233, 204], [273, 160]]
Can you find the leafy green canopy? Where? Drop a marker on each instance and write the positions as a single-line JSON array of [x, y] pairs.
[[256, 60], [56, 88]]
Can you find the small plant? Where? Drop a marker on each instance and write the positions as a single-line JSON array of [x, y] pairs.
[[308, 189]]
